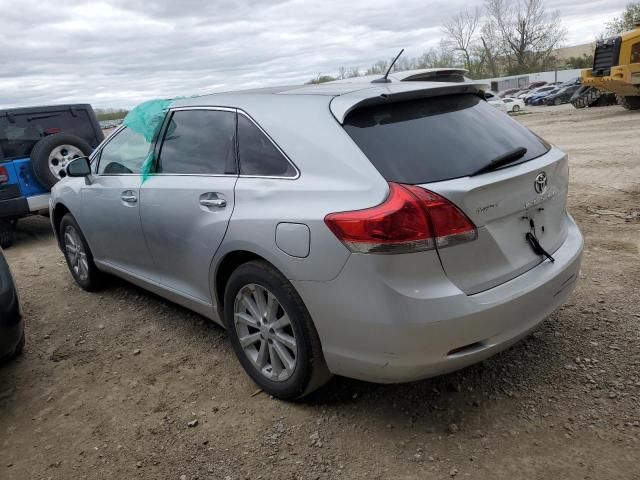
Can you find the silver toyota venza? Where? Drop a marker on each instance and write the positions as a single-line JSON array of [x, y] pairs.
[[382, 231]]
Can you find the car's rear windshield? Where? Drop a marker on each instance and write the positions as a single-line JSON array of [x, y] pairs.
[[20, 132], [438, 138]]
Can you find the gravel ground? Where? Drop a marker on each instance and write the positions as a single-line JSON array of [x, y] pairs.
[[123, 384]]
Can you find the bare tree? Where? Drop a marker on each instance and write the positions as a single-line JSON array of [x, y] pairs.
[[379, 67], [342, 73], [353, 72], [528, 33], [460, 31], [436, 57], [489, 51]]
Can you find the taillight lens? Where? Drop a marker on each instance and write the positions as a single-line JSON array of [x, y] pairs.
[[411, 219], [4, 175]]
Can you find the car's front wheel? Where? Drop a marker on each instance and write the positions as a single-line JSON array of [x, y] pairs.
[[272, 333], [516, 108], [78, 255]]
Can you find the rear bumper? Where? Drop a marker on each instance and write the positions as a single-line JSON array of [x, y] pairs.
[[14, 207], [21, 206], [406, 321]]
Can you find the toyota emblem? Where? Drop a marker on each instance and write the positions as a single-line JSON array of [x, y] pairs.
[[540, 183]]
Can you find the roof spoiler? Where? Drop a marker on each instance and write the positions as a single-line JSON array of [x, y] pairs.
[[342, 105], [453, 75]]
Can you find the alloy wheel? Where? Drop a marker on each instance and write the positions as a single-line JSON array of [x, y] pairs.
[[265, 332], [76, 253]]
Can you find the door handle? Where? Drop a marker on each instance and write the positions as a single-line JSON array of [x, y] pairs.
[[213, 202], [129, 198]]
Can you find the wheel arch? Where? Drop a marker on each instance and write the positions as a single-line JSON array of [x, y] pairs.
[[59, 211], [225, 267]]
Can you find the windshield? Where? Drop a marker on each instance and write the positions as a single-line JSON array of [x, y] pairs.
[[437, 138]]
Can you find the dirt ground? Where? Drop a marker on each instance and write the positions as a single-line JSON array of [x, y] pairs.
[[82, 402]]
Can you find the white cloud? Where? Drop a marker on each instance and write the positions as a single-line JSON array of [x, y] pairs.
[[121, 52]]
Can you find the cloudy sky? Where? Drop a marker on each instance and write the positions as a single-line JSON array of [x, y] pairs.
[[116, 53]]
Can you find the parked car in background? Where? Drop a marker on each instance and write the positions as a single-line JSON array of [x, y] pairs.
[[539, 99], [393, 250], [521, 94], [11, 323], [563, 95], [513, 104], [508, 93], [536, 92], [538, 84], [495, 101], [36, 144]]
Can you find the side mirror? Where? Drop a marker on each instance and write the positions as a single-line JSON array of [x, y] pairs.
[[79, 167]]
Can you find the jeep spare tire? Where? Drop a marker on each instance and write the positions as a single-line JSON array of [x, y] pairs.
[[51, 155]]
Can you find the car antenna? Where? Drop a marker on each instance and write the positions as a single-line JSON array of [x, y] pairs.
[[385, 79]]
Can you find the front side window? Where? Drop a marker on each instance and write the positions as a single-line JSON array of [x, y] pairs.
[[125, 153], [258, 155], [199, 142]]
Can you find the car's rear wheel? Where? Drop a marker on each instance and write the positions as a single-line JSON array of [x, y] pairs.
[[7, 233], [78, 255], [51, 155], [272, 333], [516, 108]]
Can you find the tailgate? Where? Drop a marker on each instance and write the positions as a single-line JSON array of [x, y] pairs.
[[505, 205]]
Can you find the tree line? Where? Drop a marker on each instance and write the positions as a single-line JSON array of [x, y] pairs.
[[501, 37]]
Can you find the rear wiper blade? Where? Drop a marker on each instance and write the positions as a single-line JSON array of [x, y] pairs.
[[509, 157]]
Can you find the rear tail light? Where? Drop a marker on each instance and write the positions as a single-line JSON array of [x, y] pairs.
[[411, 219], [4, 175]]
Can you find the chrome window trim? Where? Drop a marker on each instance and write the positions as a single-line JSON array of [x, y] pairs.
[[239, 111], [286, 157]]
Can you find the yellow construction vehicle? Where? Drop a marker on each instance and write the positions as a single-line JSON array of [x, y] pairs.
[[616, 69]]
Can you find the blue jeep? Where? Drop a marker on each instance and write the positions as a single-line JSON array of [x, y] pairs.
[[36, 144]]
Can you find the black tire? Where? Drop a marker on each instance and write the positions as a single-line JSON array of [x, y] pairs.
[[7, 233], [42, 150], [557, 102], [630, 103], [19, 347], [585, 97], [93, 279], [310, 372], [515, 109]]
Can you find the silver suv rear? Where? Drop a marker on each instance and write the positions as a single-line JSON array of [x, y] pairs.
[[382, 232]]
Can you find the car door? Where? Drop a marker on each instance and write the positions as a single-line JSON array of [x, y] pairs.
[[110, 216], [187, 202]]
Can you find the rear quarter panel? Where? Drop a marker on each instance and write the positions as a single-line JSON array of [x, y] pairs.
[[334, 176]]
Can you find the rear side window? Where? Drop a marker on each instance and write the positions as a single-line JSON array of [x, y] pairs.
[[258, 155], [439, 138], [199, 142]]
